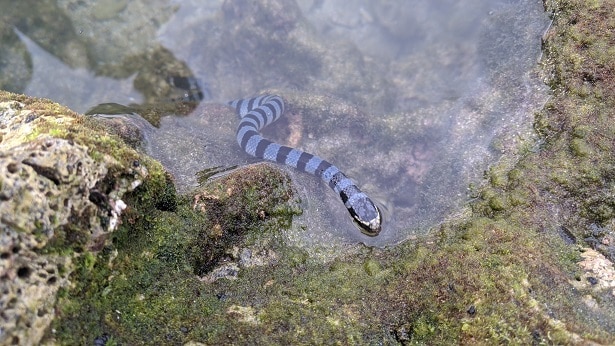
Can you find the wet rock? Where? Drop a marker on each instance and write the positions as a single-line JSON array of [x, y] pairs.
[[257, 198], [54, 197]]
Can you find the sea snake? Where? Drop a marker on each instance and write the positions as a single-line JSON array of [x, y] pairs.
[[260, 111]]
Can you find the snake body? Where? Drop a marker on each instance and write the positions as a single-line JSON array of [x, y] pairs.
[[260, 111]]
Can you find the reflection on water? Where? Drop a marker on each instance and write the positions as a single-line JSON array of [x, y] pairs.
[[412, 99]]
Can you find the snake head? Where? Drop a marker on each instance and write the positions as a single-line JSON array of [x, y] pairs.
[[367, 216]]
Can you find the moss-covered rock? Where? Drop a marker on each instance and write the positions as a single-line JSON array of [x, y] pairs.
[[61, 191]]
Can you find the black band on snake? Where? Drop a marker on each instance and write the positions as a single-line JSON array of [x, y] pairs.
[[258, 112]]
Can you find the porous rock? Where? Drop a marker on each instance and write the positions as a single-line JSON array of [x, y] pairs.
[[50, 188]]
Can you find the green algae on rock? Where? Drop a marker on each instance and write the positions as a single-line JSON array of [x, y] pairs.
[[167, 263], [244, 203]]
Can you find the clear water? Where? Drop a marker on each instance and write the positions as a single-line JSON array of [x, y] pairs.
[[412, 99]]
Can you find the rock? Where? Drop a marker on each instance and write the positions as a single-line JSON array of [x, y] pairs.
[[235, 208], [55, 198], [29, 283]]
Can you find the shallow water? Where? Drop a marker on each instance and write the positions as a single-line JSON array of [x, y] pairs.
[[412, 99]]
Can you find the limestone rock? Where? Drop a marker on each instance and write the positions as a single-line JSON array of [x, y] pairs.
[[54, 198]]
